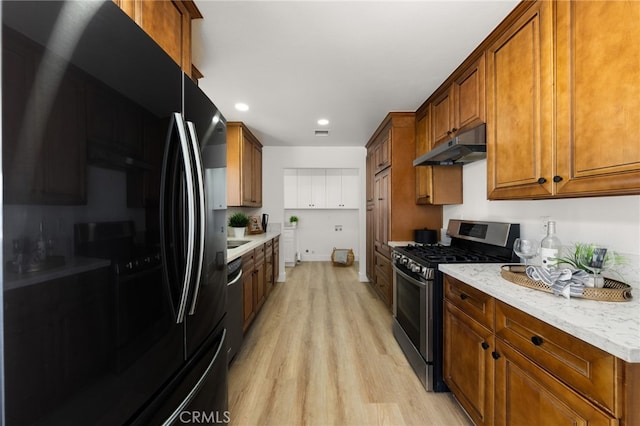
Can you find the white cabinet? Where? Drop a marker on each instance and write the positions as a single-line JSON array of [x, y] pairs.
[[321, 189], [342, 188], [289, 246], [290, 188], [311, 188]]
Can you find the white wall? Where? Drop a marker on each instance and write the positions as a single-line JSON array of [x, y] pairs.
[[614, 221], [316, 227]]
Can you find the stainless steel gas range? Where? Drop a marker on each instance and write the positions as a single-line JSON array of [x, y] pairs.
[[418, 289]]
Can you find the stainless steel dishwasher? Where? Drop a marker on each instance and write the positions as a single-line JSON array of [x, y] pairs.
[[234, 307]]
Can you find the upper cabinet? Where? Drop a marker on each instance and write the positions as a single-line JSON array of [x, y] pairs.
[[168, 23], [434, 184], [321, 189], [563, 112], [244, 167], [459, 105]]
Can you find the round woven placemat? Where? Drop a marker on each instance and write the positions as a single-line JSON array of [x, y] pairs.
[[613, 291]]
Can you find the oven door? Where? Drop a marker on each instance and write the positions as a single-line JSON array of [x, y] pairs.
[[413, 310]]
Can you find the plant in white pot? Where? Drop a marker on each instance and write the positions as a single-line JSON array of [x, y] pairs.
[[239, 221], [293, 221]]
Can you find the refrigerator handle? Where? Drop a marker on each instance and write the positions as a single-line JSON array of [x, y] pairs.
[[198, 385], [201, 214], [178, 123]]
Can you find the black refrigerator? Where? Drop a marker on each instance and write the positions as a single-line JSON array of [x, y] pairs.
[[114, 234]]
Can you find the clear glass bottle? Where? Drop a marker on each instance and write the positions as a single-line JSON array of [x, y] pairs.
[[550, 247]]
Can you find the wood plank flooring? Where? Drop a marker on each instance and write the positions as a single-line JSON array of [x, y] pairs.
[[321, 352]]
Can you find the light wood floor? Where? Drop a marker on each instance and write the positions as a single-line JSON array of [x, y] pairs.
[[321, 352]]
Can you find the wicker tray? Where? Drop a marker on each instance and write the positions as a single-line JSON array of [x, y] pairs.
[[613, 291]]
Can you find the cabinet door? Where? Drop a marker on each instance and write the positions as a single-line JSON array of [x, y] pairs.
[[382, 212], [350, 188], [468, 365], [469, 100], [423, 145], [370, 173], [528, 395], [256, 176], [248, 304], [370, 244], [383, 282], [290, 188], [311, 188], [334, 188], [165, 22], [520, 107], [276, 259], [247, 171], [382, 150], [443, 117], [598, 97]]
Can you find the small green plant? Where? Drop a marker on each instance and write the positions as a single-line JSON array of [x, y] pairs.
[[238, 220], [293, 219], [580, 251]]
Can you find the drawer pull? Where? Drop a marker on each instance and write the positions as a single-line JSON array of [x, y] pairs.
[[495, 355], [485, 345], [463, 296], [537, 340]]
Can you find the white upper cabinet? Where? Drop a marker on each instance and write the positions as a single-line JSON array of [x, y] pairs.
[[290, 188], [342, 188], [311, 189], [321, 189]]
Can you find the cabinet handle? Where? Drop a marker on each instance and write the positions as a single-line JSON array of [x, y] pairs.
[[485, 345], [463, 296], [542, 180], [449, 132], [557, 179], [495, 355], [537, 340], [454, 130]]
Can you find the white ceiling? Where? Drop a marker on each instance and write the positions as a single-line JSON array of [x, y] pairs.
[[351, 62]]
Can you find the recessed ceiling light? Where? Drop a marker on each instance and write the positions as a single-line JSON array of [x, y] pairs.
[[323, 122], [242, 106]]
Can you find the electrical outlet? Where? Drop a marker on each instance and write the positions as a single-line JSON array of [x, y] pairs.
[[338, 228]]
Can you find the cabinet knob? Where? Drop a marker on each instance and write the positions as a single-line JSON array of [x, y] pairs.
[[495, 355], [485, 345], [449, 132], [542, 180], [537, 340], [463, 296], [557, 179], [454, 130]]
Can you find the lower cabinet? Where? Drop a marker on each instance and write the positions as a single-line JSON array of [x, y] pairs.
[[383, 279], [259, 274], [506, 367]]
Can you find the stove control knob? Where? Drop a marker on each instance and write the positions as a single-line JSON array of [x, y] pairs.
[[129, 266], [416, 268], [405, 261]]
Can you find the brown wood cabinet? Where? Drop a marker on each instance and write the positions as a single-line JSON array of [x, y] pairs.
[[563, 112], [460, 105], [259, 274], [44, 158], [392, 213], [276, 259], [168, 23], [248, 289], [244, 167], [507, 367], [269, 268], [434, 184]]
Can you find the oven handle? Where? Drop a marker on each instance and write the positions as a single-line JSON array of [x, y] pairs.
[[409, 278]]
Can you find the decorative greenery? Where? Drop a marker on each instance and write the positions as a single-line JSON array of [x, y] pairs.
[[238, 220], [293, 219], [573, 257]]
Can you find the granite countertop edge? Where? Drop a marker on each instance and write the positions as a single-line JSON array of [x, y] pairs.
[[611, 326]]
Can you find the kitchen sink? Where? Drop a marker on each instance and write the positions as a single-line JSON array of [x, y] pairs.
[[235, 244]]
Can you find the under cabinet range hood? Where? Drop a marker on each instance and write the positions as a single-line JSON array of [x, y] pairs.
[[466, 147]]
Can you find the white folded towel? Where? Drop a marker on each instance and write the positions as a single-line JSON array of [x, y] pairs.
[[563, 282]]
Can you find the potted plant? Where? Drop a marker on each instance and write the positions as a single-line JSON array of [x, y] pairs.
[[293, 221], [593, 259], [239, 221]]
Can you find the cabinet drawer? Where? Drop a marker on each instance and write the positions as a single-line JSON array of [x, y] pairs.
[[586, 368], [473, 302]]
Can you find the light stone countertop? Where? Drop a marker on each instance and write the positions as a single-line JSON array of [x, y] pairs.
[[253, 242], [611, 326]]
